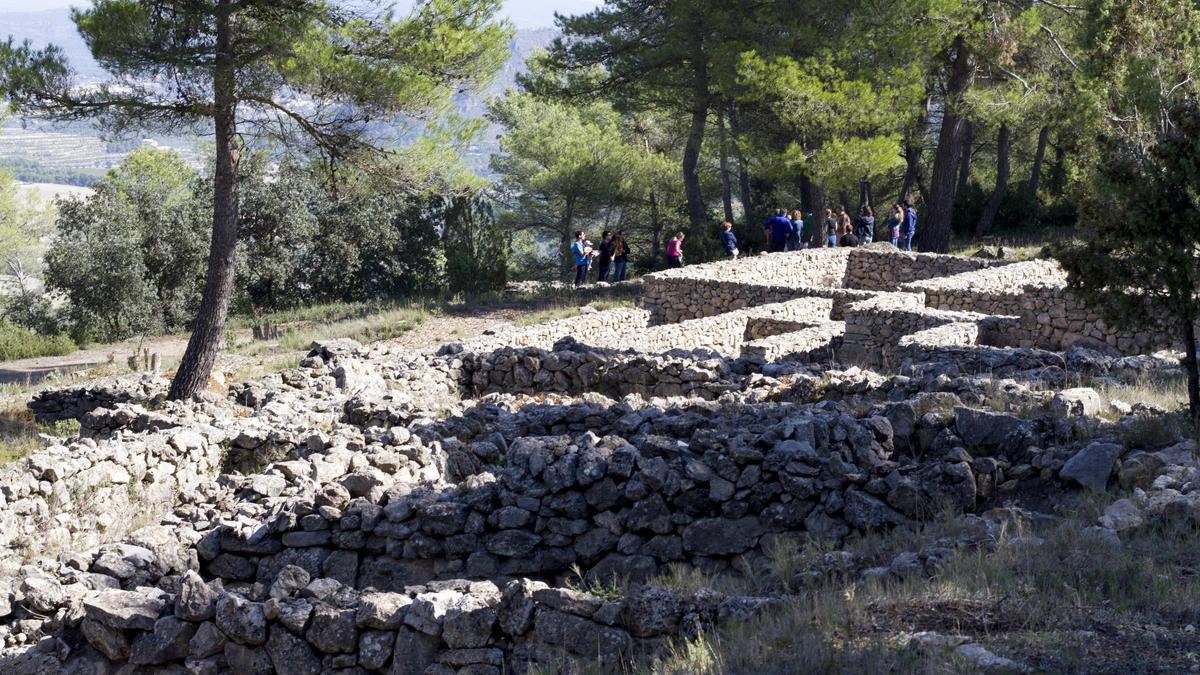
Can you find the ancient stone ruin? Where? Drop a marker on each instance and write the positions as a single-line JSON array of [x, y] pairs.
[[461, 510]]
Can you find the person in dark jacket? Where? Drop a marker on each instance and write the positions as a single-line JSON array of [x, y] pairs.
[[830, 229], [908, 228], [729, 240], [620, 257], [779, 229], [864, 227], [793, 242], [604, 260]]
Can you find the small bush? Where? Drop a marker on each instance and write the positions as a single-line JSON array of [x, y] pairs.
[[18, 342]]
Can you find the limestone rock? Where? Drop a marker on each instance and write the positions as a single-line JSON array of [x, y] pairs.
[[1091, 466]]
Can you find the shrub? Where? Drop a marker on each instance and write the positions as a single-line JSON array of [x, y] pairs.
[[18, 342]]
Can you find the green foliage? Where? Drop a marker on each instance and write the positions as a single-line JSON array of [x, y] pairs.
[[29, 171], [476, 249], [561, 166], [1139, 261], [18, 342], [279, 232], [846, 127], [130, 259]]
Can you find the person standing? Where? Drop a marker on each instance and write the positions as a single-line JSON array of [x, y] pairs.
[[675, 251], [582, 249], [604, 260], [729, 240], [908, 228], [894, 224], [843, 219], [829, 228], [793, 242], [865, 228], [808, 235], [620, 257], [779, 229]]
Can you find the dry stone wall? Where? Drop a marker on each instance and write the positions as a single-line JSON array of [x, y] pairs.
[[888, 269], [72, 403]]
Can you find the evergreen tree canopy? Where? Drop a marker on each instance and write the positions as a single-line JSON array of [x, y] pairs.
[[313, 73]]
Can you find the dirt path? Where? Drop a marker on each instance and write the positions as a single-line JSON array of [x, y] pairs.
[[455, 326], [37, 369], [433, 331]]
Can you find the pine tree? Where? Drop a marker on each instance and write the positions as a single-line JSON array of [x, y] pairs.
[[312, 74]]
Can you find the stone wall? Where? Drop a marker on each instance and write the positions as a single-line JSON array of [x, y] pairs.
[[574, 368], [887, 270], [1053, 318], [317, 625], [71, 403], [814, 343], [78, 494], [875, 327], [993, 290], [613, 322], [616, 508]]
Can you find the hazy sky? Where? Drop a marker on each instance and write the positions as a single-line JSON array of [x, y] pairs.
[[524, 13]]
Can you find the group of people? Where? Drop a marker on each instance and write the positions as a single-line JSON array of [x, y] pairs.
[[611, 255], [798, 231], [784, 233]]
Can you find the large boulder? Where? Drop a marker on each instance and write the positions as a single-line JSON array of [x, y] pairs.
[[1091, 466], [721, 536], [1076, 402], [124, 609], [867, 512], [983, 429]]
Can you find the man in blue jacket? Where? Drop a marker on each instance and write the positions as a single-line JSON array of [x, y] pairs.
[[908, 228], [779, 228]]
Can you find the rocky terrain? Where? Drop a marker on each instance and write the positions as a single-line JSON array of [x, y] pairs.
[[618, 491]]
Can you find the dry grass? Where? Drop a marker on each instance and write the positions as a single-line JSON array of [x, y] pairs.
[[1167, 391], [383, 325], [565, 311], [19, 433], [1056, 600]]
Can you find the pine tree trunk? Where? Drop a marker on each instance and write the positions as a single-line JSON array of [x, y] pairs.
[[988, 218], [695, 138], [656, 232], [726, 188], [1190, 364], [196, 367], [913, 149], [964, 166], [1058, 178], [934, 235], [864, 194], [743, 173], [1036, 176], [806, 194], [818, 216]]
